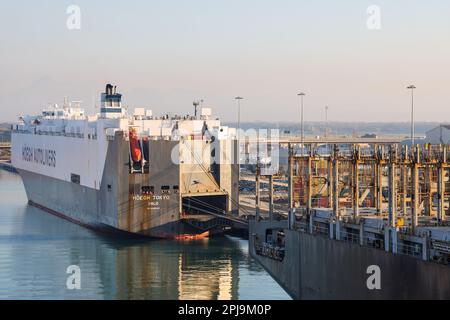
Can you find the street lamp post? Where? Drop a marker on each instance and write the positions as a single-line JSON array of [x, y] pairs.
[[412, 87], [238, 99], [301, 95], [326, 121]]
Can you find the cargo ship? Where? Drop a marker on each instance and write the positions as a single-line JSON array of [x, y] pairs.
[[363, 222], [161, 177]]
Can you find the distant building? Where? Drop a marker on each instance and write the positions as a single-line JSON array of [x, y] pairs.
[[370, 135], [438, 135]]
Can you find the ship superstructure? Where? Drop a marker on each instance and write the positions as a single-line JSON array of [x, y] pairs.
[[166, 176]]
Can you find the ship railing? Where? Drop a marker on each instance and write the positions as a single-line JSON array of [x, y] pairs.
[[320, 228], [74, 135], [92, 136], [54, 133], [349, 236], [410, 249], [368, 236], [21, 131], [373, 240], [301, 226], [441, 246], [57, 133], [440, 251]]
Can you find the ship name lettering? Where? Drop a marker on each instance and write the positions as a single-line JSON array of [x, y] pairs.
[[44, 157]]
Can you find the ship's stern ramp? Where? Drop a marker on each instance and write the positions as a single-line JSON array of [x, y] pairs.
[[207, 187]]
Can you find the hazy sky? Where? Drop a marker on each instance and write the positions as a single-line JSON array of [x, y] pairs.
[[163, 54]]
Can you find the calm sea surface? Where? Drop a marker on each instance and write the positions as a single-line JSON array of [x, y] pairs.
[[36, 248]]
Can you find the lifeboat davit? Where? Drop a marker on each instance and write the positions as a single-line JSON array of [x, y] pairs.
[[135, 147]]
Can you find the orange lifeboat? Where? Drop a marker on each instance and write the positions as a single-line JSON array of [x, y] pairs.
[[187, 237], [136, 153]]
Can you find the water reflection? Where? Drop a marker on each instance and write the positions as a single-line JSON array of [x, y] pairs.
[[36, 248]]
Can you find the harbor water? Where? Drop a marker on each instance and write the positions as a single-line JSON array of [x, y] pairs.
[[36, 249]]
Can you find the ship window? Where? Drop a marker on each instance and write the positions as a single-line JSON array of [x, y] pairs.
[[75, 178], [109, 187], [147, 190], [176, 187], [165, 189]]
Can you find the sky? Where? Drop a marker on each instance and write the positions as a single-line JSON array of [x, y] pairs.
[[162, 55]]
